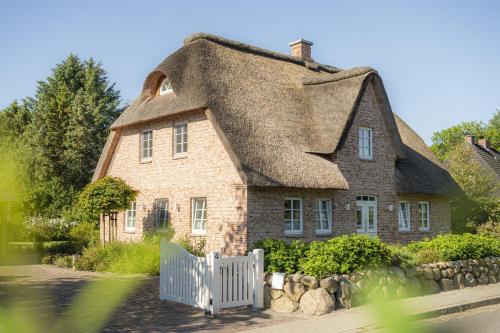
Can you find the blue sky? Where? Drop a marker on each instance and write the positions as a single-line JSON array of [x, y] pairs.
[[440, 60]]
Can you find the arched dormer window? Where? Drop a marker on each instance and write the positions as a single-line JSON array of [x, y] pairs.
[[165, 87]]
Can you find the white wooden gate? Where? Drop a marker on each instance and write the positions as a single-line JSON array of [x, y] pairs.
[[213, 282]]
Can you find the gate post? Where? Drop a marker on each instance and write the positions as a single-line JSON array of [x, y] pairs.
[[215, 283], [258, 283]]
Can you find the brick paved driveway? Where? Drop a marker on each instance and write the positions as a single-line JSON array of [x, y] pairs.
[[48, 291]]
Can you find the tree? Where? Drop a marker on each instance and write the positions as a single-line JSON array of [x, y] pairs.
[[493, 130], [14, 121], [106, 196], [444, 141], [73, 110], [478, 183]]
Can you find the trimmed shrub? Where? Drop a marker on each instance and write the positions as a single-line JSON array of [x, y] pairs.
[[489, 229], [61, 248], [457, 247], [345, 254], [402, 257], [427, 256], [64, 261], [280, 256], [84, 233]]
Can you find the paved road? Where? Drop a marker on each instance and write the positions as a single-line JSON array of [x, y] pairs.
[[480, 320], [47, 294]]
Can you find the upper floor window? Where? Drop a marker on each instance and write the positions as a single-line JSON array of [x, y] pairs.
[[161, 208], [180, 139], [293, 216], [130, 215], [365, 143], [199, 216], [165, 87], [323, 216], [404, 215], [423, 215], [147, 145]]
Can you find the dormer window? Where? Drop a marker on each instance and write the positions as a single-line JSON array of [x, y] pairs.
[[165, 87]]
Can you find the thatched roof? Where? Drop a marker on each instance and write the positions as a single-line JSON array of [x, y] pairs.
[[278, 114], [421, 172]]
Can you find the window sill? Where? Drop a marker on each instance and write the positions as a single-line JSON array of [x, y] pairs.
[[293, 234], [146, 161], [199, 233], [404, 230], [323, 233], [129, 231], [424, 230], [367, 159], [179, 157]]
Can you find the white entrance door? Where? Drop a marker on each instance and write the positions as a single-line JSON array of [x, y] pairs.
[[366, 215]]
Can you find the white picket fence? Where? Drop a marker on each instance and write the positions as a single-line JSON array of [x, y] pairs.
[[211, 283]]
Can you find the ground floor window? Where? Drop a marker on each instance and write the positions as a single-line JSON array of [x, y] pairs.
[[404, 215], [423, 215], [199, 215], [161, 212], [130, 216], [323, 216], [293, 216]]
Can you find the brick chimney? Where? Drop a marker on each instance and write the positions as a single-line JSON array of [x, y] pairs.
[[301, 48], [483, 143], [469, 138]]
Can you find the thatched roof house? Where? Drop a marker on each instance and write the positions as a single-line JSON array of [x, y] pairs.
[[283, 121]]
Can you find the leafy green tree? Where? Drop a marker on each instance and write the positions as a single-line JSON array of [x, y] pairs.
[[478, 183], [14, 121], [106, 195], [73, 110], [493, 130], [444, 141]]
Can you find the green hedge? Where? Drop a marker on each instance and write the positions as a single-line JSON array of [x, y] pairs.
[[280, 256], [457, 247], [321, 258], [345, 254]]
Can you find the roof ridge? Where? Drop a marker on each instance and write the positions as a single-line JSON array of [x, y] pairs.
[[260, 51], [342, 75]]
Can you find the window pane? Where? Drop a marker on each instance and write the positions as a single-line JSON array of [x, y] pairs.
[[359, 222], [296, 225], [288, 215], [371, 217], [296, 215], [288, 225], [288, 204]]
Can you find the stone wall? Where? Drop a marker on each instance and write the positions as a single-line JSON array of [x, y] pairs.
[[310, 296]]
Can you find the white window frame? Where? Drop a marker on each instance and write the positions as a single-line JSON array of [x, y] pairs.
[[184, 138], [293, 231], [319, 217], [149, 148], [365, 143], [421, 215], [167, 90], [408, 216], [131, 211], [203, 220], [157, 214]]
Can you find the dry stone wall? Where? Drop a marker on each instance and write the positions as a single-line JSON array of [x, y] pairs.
[[312, 297]]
